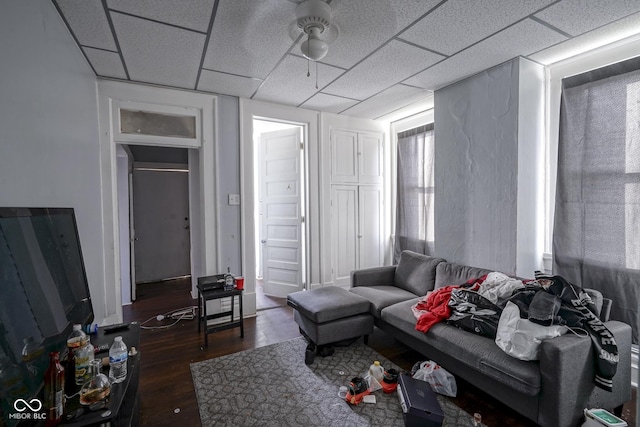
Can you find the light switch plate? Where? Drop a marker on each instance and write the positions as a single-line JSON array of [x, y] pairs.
[[234, 199]]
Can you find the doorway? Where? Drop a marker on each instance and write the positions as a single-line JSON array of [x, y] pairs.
[[279, 210], [155, 210]]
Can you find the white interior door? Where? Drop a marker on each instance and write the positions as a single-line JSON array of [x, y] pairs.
[[281, 230], [344, 229], [370, 155], [370, 226]]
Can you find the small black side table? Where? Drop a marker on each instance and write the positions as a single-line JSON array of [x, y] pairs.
[[205, 295]]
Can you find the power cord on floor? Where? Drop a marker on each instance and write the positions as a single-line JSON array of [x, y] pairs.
[[185, 313]]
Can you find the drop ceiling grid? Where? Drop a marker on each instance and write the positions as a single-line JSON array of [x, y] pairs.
[[363, 28], [249, 40], [577, 16], [393, 63], [250, 50], [88, 22], [105, 63], [227, 84], [158, 53], [455, 26], [625, 27], [292, 74], [193, 14], [388, 101], [329, 103], [526, 37]]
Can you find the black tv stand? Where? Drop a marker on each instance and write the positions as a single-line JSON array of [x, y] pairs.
[[122, 409]]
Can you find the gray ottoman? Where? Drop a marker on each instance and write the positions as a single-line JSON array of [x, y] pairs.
[[331, 314]]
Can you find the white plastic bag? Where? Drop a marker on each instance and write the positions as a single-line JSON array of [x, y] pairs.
[[440, 380], [521, 338]]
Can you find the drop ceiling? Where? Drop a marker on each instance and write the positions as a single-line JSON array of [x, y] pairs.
[[384, 55]]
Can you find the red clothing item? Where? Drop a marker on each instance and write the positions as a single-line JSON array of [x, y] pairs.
[[436, 306]]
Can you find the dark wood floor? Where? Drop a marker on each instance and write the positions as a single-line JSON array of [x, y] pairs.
[[166, 388]]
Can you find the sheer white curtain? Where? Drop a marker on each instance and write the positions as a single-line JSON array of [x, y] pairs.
[[596, 237], [415, 195]]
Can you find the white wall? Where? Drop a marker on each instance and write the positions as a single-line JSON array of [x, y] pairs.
[[228, 174], [480, 153], [49, 152]]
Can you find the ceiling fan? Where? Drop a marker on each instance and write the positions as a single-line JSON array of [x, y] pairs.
[[314, 17]]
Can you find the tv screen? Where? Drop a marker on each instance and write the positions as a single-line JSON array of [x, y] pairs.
[[43, 292]]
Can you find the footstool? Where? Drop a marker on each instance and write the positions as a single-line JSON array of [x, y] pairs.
[[330, 314]]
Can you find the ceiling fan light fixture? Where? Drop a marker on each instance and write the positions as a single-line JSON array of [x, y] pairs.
[[314, 17], [314, 48]]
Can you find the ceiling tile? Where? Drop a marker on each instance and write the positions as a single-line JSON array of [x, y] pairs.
[[602, 36], [248, 40], [395, 97], [88, 22], [227, 84], [362, 28], [455, 25], [328, 103], [393, 63], [194, 14], [523, 38], [105, 63], [291, 74], [157, 53], [578, 16]]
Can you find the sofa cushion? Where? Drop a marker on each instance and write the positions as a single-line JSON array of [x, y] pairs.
[[327, 303], [478, 352], [382, 296], [416, 272], [451, 273]]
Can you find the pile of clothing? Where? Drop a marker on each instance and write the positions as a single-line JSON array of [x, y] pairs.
[[519, 314]]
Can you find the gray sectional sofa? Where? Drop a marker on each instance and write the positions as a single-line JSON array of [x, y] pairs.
[[551, 392]]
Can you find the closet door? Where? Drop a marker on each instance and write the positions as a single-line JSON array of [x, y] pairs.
[[344, 223], [370, 226], [370, 158], [344, 156]]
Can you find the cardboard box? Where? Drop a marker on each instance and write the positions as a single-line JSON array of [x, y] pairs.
[[420, 408]]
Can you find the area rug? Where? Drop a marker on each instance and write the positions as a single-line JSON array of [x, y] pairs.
[[272, 386]]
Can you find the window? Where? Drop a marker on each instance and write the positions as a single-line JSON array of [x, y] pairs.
[[414, 191], [596, 234]]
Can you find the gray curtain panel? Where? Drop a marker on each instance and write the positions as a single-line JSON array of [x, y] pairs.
[[414, 205], [596, 235]]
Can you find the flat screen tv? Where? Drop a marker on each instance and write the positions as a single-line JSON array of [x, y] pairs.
[[43, 292]]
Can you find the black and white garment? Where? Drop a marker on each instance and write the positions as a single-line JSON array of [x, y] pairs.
[[578, 310]]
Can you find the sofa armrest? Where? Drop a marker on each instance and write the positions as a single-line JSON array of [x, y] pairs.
[[567, 372], [375, 276]]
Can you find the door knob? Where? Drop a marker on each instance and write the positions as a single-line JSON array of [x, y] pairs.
[[263, 241]]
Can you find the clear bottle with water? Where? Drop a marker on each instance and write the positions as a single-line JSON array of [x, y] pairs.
[[118, 355]]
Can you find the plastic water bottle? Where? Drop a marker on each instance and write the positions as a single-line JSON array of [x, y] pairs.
[[376, 371], [83, 357], [118, 355]]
